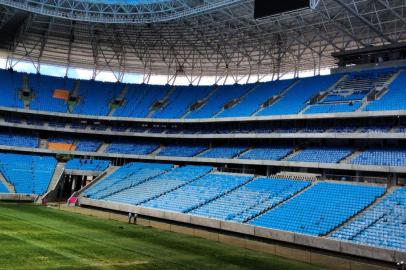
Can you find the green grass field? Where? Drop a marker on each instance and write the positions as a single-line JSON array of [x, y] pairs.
[[33, 237]]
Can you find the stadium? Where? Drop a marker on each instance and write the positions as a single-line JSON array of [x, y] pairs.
[[202, 134]]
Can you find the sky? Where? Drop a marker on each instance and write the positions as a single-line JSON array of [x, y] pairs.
[[107, 76]]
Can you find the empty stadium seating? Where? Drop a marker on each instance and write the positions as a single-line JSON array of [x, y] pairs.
[[18, 140], [223, 152], [197, 193], [320, 209], [219, 99], [393, 99], [28, 174], [92, 104], [139, 100], [43, 88], [253, 101], [10, 84], [125, 177], [132, 148], [251, 199], [87, 145], [381, 157], [87, 164], [181, 100], [181, 150], [322, 154], [383, 225], [295, 99], [267, 153], [159, 185]]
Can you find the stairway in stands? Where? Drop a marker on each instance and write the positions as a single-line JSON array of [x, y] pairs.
[[355, 217], [9, 186], [275, 99], [199, 103], [266, 209]]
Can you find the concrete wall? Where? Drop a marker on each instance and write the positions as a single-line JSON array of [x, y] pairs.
[[307, 254], [322, 135], [212, 120], [17, 197], [301, 240], [275, 163]]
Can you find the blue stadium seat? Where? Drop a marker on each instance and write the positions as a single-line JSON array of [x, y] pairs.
[[320, 209]]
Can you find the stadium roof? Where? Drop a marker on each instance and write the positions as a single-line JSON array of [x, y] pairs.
[[194, 38]]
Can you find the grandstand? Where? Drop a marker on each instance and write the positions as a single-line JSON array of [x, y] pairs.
[[282, 134]]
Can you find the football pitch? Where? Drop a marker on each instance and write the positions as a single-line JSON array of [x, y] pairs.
[[35, 237]]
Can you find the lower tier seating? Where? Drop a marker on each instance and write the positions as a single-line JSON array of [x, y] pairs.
[[320, 209], [87, 165], [159, 185], [383, 225], [28, 174], [251, 199], [197, 193], [126, 177]]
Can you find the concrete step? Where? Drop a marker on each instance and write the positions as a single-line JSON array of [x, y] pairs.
[[378, 200], [10, 187], [55, 180], [291, 198], [103, 148], [353, 155], [279, 96], [291, 155], [188, 111], [106, 173]]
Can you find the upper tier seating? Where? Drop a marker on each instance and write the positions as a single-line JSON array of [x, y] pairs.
[[386, 157], [87, 164], [222, 96], [358, 85], [267, 153], [96, 104], [3, 188], [322, 154], [253, 101], [393, 99], [125, 177], [28, 174], [139, 100], [159, 185], [132, 148], [295, 99], [43, 88], [251, 199], [320, 209], [181, 150], [10, 84], [223, 152], [181, 99], [18, 140], [197, 193], [383, 225]]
